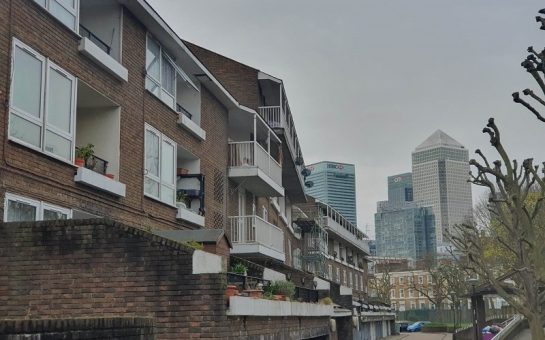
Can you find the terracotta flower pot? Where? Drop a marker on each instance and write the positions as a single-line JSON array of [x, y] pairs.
[[231, 291], [80, 162], [279, 297], [254, 293], [111, 176]]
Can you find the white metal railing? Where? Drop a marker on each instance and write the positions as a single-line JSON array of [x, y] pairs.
[[252, 154], [253, 229], [277, 117], [272, 115]]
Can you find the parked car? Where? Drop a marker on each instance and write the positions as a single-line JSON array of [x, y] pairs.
[[417, 326]]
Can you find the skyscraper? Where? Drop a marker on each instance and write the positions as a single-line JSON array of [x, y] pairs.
[[403, 228], [334, 184], [440, 173]]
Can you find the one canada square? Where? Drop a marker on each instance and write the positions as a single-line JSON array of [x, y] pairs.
[[440, 172]]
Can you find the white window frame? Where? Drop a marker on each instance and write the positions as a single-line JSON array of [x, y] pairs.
[[338, 276], [74, 11], [159, 179], [177, 71], [39, 205], [265, 213], [401, 293], [41, 121]]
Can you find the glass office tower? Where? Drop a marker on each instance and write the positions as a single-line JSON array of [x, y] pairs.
[[440, 173], [403, 228], [334, 184]]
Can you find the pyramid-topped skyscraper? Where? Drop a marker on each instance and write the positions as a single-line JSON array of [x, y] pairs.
[[440, 173]]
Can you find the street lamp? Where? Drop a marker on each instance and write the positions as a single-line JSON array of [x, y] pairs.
[[473, 282]]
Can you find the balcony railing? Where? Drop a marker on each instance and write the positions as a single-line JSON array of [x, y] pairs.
[[252, 154], [85, 32], [272, 115], [181, 109], [97, 164], [254, 230]]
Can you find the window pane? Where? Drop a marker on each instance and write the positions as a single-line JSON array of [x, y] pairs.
[[152, 86], [41, 2], [54, 215], [151, 187], [59, 106], [68, 3], [27, 82], [58, 145], [24, 130], [19, 211], [152, 153], [168, 76], [167, 194], [152, 58], [62, 14], [167, 163]]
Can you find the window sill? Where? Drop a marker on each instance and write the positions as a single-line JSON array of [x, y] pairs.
[[192, 127], [100, 182], [112, 66], [156, 199]]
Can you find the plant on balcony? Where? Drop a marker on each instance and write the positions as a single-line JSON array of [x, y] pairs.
[[84, 155], [326, 301], [281, 290], [360, 264], [182, 197], [334, 254], [239, 268]]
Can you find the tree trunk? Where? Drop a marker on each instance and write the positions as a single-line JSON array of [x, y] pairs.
[[536, 328]]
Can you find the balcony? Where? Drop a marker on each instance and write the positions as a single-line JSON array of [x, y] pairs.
[[279, 118], [253, 236], [189, 188], [250, 164], [100, 29]]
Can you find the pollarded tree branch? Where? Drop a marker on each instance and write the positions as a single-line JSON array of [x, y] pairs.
[[528, 92], [518, 100]]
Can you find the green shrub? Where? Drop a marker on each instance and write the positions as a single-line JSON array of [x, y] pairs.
[[239, 268], [434, 327], [285, 288]]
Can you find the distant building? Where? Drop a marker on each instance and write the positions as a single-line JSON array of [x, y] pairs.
[[372, 247], [403, 228], [334, 184], [440, 173]]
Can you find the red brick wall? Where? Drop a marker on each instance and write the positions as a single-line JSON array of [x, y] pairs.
[[86, 269], [34, 175], [239, 79]]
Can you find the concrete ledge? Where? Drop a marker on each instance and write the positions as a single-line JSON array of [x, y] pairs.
[[100, 182], [239, 305], [206, 263], [189, 216], [112, 66], [192, 127]]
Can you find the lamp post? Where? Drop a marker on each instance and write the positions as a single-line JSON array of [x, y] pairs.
[[473, 282]]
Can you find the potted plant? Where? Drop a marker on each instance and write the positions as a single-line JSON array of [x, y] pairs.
[[239, 268], [182, 171], [84, 155], [283, 290], [182, 198], [231, 290]]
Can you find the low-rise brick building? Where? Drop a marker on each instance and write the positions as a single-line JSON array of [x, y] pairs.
[[126, 150]]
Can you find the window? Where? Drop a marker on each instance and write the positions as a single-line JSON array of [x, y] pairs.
[[66, 11], [350, 281], [18, 209], [421, 279], [161, 73], [392, 293], [330, 272], [410, 293], [338, 276], [344, 277], [401, 293], [297, 261], [42, 104], [265, 213], [160, 161], [400, 280]]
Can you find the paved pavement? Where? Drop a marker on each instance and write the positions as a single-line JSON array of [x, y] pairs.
[[421, 336]]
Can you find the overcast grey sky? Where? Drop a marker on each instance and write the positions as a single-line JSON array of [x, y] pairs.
[[368, 81]]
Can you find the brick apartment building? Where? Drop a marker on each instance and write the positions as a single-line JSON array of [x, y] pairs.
[[187, 146]]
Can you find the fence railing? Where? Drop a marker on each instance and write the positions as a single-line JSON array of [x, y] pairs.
[[254, 229], [181, 109], [272, 115], [253, 154], [85, 32], [306, 294]]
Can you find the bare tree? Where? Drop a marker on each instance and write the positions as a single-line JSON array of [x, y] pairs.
[[517, 231], [381, 284]]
